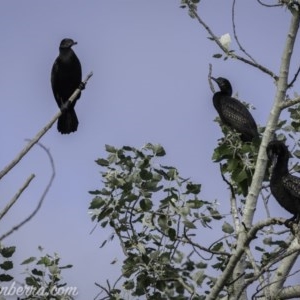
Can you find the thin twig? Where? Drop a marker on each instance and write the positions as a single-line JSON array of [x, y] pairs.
[[294, 79], [44, 130], [18, 226], [209, 79], [235, 34], [289, 103], [16, 196], [268, 5], [227, 52]]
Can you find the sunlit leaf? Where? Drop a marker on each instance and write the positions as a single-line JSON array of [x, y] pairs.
[[227, 228]]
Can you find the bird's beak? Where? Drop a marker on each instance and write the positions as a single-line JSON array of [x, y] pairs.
[[214, 79], [74, 43]]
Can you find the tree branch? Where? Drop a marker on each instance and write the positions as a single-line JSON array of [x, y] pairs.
[[290, 292], [16, 196], [261, 164], [18, 226], [234, 259], [289, 103], [235, 34], [227, 52], [44, 130], [284, 269], [266, 268]]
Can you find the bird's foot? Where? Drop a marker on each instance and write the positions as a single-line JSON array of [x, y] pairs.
[[81, 86], [293, 224]]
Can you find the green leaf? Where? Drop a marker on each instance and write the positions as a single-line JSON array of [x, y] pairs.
[[45, 260], [103, 244], [5, 277], [195, 204], [28, 260], [201, 265], [172, 174], [110, 149], [97, 203], [172, 234], [297, 153], [163, 222], [146, 175], [66, 267], [31, 281], [159, 150], [128, 148], [6, 265], [214, 213], [227, 228], [128, 285], [189, 224], [105, 213], [218, 55], [217, 246], [8, 251], [146, 204], [37, 272], [193, 188], [102, 162], [259, 249], [199, 277]]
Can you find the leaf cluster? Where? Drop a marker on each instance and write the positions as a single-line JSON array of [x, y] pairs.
[[154, 212]]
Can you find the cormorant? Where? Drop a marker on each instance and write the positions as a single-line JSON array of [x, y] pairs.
[[284, 186], [65, 79], [232, 112]]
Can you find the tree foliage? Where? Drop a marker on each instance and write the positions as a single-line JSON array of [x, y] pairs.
[[165, 227]]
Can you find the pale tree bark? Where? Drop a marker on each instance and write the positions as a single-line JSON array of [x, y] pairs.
[[235, 262]]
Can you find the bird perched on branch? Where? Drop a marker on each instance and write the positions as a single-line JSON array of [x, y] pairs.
[[232, 112], [284, 186], [65, 79]]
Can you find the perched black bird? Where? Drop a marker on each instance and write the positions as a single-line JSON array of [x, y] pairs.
[[284, 186], [65, 79], [232, 112]]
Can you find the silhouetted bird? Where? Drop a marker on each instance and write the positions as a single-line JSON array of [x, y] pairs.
[[232, 112], [284, 186], [65, 79]]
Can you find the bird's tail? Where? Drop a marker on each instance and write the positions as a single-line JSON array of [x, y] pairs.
[[67, 122]]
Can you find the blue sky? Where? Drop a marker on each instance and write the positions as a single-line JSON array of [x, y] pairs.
[[150, 63]]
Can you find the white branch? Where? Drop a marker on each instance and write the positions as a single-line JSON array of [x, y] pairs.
[[16, 196], [290, 292], [284, 269], [43, 131]]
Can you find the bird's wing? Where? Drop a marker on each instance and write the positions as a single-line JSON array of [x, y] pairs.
[[236, 111], [55, 82], [292, 184]]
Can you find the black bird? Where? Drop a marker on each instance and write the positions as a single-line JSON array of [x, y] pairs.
[[65, 79], [284, 186], [232, 112]]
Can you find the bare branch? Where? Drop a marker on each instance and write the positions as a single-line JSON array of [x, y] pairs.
[[16, 196], [44, 130], [233, 205], [284, 268], [241, 248], [295, 78], [289, 103], [290, 252], [18, 226], [227, 52], [209, 79], [268, 5], [290, 292], [235, 34]]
